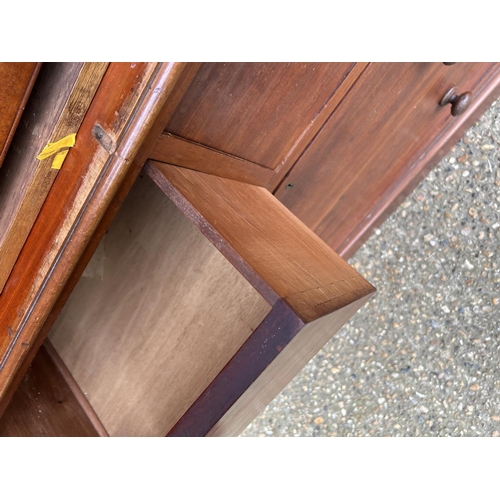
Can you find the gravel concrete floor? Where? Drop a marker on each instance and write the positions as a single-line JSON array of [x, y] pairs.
[[422, 358]]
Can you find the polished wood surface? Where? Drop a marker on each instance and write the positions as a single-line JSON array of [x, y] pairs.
[[155, 317], [60, 99], [125, 106], [44, 405], [255, 111], [297, 265], [16, 82], [251, 121], [373, 147], [315, 125]]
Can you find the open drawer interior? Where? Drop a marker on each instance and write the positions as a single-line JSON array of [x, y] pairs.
[[200, 304], [156, 303]]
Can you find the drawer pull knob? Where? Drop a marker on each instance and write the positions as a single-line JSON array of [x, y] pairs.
[[459, 103], [449, 64]]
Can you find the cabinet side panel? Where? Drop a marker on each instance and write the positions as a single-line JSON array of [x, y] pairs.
[[126, 107]]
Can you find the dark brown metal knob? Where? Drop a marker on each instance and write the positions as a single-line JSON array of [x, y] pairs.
[[459, 103], [449, 64]]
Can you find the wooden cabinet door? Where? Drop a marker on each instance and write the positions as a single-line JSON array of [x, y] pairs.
[[251, 121], [374, 145]]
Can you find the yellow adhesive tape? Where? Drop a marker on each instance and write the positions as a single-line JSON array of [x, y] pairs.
[[55, 148], [59, 159]]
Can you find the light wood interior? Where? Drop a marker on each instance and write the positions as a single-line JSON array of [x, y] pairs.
[[294, 262], [156, 316]]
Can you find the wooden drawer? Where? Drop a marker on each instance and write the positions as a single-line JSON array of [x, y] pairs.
[[376, 144], [200, 304]]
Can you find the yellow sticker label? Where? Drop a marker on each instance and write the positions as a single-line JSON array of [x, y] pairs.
[[55, 148]]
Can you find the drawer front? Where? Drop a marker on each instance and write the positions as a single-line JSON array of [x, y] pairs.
[[368, 150]]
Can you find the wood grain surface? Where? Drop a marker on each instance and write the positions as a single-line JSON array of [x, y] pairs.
[[260, 112], [16, 82], [296, 264], [253, 116], [44, 405], [374, 146], [183, 153], [316, 124], [57, 106], [157, 314], [125, 108], [158, 111]]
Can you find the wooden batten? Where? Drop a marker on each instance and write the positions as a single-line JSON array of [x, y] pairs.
[[183, 153]]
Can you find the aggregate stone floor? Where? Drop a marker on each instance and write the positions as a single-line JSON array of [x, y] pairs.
[[422, 358]]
